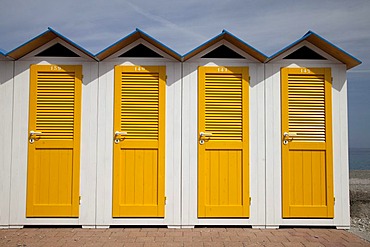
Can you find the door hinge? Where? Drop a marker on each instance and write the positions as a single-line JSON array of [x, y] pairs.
[[166, 77], [332, 79], [165, 200], [250, 200], [334, 200], [79, 200], [249, 78]]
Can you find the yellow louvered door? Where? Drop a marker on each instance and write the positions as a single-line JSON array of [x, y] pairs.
[[54, 141], [223, 142], [139, 145], [307, 156]]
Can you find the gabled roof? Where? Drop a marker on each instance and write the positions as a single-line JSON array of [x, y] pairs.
[[325, 46], [42, 39], [225, 35], [132, 37]]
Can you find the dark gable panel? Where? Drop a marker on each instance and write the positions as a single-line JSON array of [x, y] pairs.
[[57, 50], [222, 52], [305, 53], [140, 51]]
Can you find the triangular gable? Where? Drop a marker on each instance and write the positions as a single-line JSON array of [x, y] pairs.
[[131, 38], [222, 52], [323, 45], [41, 40], [304, 53], [225, 35], [140, 51], [57, 50]]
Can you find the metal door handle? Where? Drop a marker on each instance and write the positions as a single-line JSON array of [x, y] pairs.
[[118, 133], [205, 134], [288, 136], [35, 133], [32, 133]]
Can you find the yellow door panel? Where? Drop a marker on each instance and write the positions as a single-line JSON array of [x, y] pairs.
[[54, 141], [307, 143], [223, 168], [139, 124]]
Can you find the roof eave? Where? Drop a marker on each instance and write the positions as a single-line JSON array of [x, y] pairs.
[[159, 45], [230, 38], [42, 39], [245, 47], [325, 46], [31, 45], [132, 37], [118, 45], [202, 47], [4, 56], [75, 45], [334, 51]]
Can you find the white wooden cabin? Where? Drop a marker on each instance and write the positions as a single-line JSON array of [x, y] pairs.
[[223, 139], [139, 134], [307, 179], [40, 194]]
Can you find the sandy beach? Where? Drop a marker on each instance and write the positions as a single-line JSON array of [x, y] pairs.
[[359, 186]]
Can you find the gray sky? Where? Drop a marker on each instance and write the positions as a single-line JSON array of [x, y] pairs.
[[267, 25]]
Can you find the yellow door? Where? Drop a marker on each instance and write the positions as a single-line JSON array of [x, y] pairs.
[[54, 141], [223, 142], [139, 145], [307, 155]]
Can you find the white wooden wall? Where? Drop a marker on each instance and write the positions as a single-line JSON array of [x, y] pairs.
[[6, 117], [105, 142], [273, 142]]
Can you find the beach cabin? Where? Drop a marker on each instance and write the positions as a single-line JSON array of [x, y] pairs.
[[53, 133], [307, 179], [223, 140], [139, 133]]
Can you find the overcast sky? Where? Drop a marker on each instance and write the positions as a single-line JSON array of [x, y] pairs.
[[182, 25]]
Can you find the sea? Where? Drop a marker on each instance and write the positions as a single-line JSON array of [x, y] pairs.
[[359, 158]]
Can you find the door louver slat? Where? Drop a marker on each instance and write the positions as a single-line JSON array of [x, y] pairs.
[[223, 106], [55, 104], [307, 107], [140, 105]]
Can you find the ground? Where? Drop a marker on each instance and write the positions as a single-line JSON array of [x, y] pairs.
[[360, 202]]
